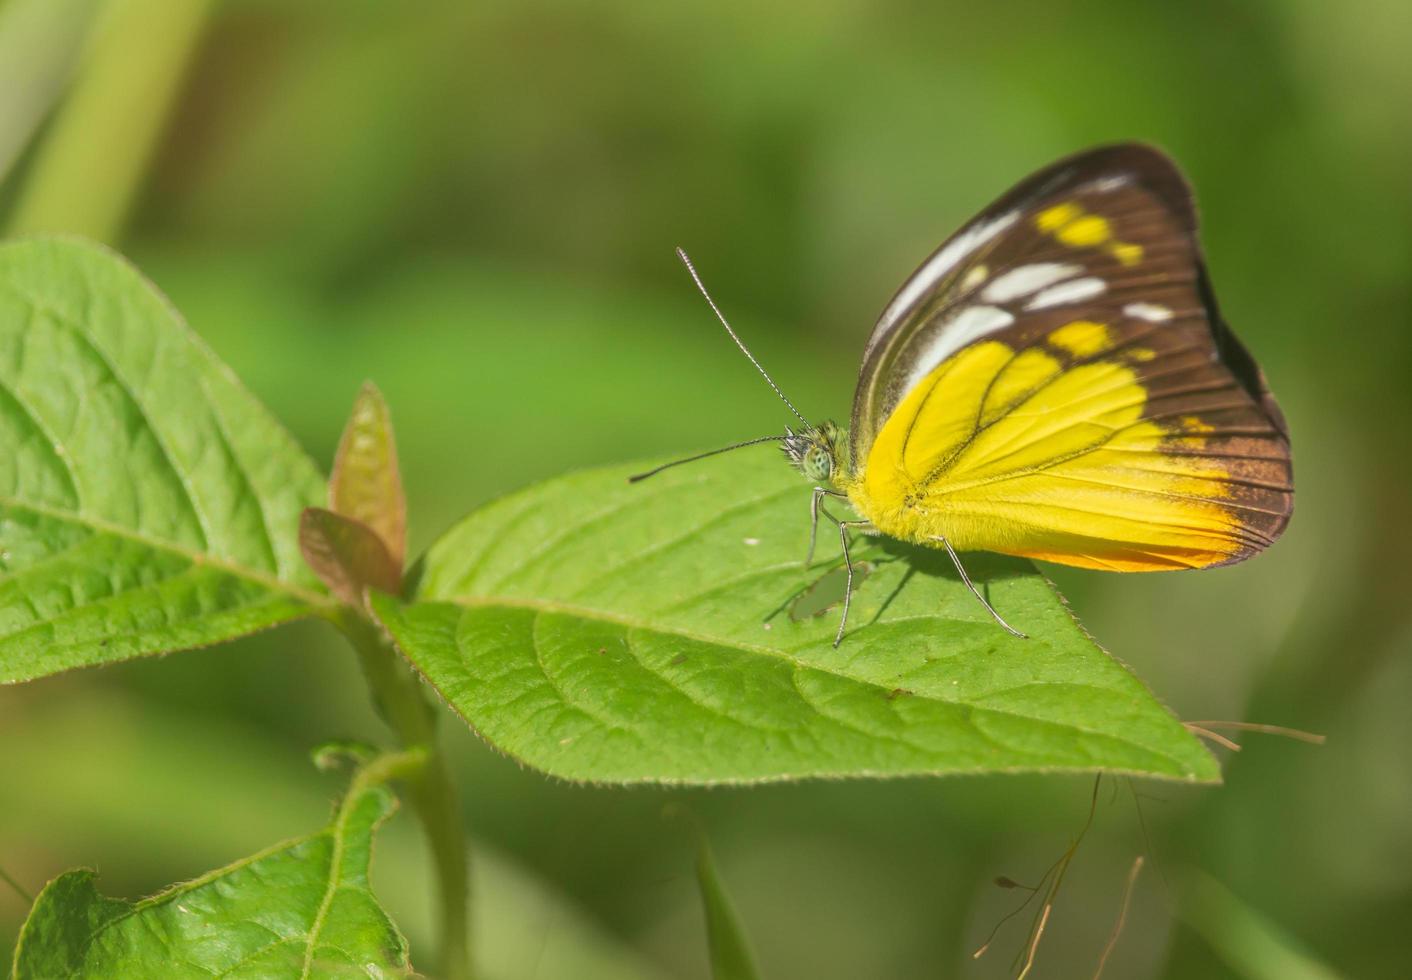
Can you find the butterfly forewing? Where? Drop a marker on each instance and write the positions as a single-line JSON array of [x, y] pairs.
[[1056, 381]]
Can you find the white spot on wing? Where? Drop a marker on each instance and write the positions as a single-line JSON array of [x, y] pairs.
[[1026, 279], [968, 325], [974, 278], [1068, 292], [1151, 312], [937, 266], [1106, 185]]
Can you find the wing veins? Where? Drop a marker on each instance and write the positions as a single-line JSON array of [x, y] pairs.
[[1089, 396], [1023, 397], [1218, 478], [1214, 454], [1237, 532], [1056, 461], [1172, 494]]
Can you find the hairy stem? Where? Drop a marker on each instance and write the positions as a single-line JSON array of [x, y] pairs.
[[402, 703]]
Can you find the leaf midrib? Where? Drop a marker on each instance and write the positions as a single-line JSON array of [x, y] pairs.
[[338, 833], [102, 526], [630, 622]]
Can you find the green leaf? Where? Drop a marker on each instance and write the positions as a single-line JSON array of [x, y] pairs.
[[731, 955], [225, 783], [366, 484], [602, 631], [301, 909], [148, 502]]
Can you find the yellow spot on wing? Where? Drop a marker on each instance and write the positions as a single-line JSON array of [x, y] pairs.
[[1126, 252], [1082, 338], [1194, 431], [1088, 230], [974, 278], [1052, 219], [1073, 226]]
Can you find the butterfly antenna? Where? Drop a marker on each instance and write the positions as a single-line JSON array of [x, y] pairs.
[[686, 261], [713, 452]]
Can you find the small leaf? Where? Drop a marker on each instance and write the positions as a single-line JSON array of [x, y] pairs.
[[301, 909], [366, 483], [731, 955], [147, 501], [616, 633], [337, 752], [347, 556]]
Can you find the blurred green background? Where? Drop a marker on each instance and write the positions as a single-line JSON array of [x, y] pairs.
[[475, 205]]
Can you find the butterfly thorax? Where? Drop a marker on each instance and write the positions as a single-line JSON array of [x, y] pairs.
[[820, 452]]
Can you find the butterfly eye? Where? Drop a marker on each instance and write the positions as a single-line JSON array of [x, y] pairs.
[[818, 465]]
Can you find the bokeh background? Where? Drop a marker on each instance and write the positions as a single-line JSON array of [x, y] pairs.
[[475, 205]]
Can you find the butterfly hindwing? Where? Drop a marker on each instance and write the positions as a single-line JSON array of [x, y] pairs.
[[1056, 381]]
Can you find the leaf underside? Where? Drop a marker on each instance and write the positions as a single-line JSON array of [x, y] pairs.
[[303, 909], [606, 632], [148, 502]]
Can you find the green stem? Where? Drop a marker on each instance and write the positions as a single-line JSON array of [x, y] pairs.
[[402, 703], [19, 889], [89, 167]]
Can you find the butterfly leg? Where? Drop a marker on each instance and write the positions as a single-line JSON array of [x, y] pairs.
[[819, 494], [843, 528], [974, 591]]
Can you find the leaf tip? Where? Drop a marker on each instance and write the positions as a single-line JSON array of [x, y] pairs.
[[366, 483]]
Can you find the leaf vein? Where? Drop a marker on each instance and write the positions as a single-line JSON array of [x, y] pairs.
[[164, 451], [52, 442], [257, 576], [267, 540], [633, 623]]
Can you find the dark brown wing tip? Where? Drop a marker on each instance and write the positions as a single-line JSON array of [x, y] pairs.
[[1148, 163]]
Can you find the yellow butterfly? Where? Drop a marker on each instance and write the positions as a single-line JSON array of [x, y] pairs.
[[1056, 382]]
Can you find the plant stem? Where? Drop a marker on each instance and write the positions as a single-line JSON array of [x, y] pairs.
[[90, 164], [19, 889], [402, 703]]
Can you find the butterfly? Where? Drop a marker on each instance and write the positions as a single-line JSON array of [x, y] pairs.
[[1056, 382]]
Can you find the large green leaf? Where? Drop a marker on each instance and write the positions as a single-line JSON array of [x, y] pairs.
[[147, 501], [602, 631], [301, 909]]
